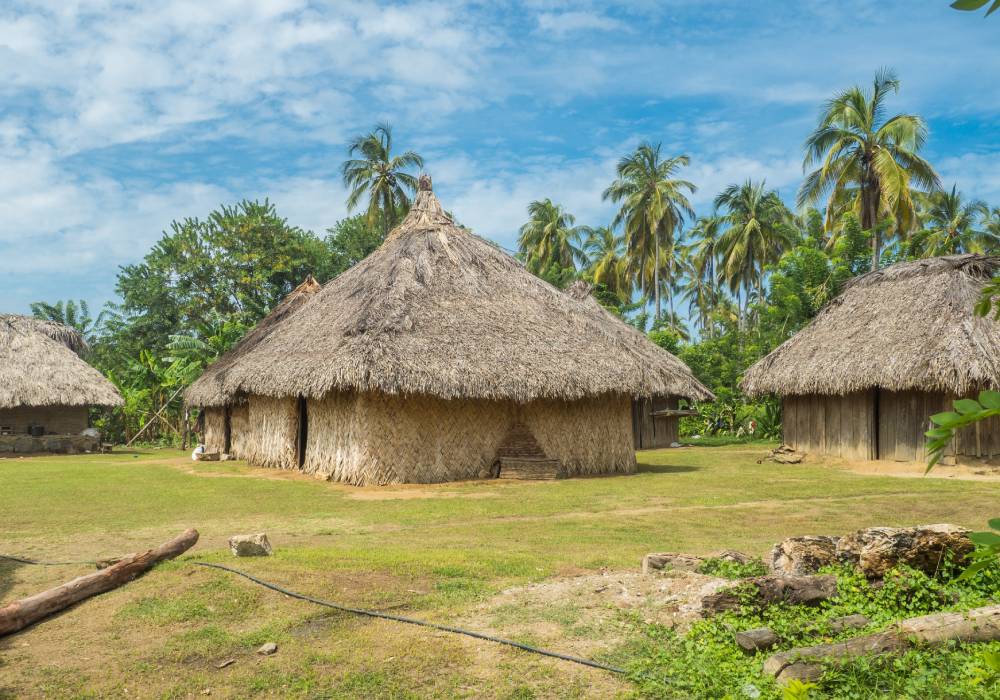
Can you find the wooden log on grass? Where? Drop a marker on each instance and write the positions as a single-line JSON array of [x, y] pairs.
[[767, 590], [30, 610], [977, 625]]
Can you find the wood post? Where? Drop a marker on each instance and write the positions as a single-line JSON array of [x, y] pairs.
[[977, 625], [27, 611]]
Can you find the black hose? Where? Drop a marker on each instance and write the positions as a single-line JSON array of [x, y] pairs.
[[360, 611], [412, 621]]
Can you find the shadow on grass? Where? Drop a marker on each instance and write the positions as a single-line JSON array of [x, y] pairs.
[[644, 468]]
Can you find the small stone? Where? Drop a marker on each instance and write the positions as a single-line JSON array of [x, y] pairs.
[[268, 649], [670, 561], [227, 662], [256, 545], [848, 622], [760, 639]]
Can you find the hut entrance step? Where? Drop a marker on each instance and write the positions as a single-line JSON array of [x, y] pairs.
[[529, 468]]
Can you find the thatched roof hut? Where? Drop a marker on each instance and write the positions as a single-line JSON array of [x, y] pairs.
[[442, 323], [43, 380], [894, 347]]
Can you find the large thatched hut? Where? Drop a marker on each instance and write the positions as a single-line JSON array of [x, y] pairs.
[[896, 346], [437, 358], [45, 387]]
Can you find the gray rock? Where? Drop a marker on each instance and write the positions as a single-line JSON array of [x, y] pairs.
[[875, 550], [256, 545], [848, 622], [800, 556], [268, 649]]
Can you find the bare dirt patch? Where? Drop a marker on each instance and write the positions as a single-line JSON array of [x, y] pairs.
[[984, 471], [585, 615]]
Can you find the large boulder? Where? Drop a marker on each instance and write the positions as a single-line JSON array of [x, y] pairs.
[[875, 550], [800, 556]]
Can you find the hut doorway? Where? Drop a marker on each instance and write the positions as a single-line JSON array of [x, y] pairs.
[[227, 431], [303, 433]]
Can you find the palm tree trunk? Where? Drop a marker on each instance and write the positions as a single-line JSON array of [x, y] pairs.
[[656, 274]]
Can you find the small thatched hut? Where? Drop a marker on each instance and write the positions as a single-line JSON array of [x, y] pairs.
[[437, 358], [45, 387], [897, 346]]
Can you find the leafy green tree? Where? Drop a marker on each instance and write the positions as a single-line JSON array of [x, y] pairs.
[[372, 170], [72, 314], [550, 239], [351, 240], [757, 231], [652, 205], [867, 163]]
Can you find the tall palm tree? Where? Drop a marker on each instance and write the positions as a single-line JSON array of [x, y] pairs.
[[950, 224], [866, 162], [652, 204], [549, 237], [698, 290], [72, 314], [704, 250], [606, 262], [372, 169], [757, 231], [991, 231]]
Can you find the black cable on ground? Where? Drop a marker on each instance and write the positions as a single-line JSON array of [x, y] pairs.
[[412, 621]]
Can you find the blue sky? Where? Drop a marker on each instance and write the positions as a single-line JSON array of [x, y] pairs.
[[118, 118]]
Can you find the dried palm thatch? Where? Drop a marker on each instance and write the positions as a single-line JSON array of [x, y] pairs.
[[908, 326], [39, 366], [207, 389], [438, 311]]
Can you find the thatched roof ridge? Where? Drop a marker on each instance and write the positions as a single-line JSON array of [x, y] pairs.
[[437, 310], [207, 389], [908, 326], [39, 366]]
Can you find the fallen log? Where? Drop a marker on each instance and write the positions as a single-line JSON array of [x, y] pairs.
[[767, 590], [978, 625], [27, 611]]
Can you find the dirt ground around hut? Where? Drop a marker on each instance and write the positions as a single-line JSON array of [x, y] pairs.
[[554, 564]]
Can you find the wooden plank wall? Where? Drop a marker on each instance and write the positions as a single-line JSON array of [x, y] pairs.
[[650, 432], [842, 426]]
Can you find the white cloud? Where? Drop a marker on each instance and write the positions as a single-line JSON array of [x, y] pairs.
[[562, 23], [976, 174]]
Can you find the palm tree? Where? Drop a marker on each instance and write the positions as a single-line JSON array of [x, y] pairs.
[[867, 162], [704, 250], [699, 292], [991, 230], [949, 224], [757, 231], [380, 175], [550, 237], [653, 204], [69, 313], [606, 262]]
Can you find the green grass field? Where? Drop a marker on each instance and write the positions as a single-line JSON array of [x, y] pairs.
[[435, 552]]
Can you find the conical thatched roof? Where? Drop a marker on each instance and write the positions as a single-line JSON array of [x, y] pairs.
[[908, 326], [39, 366], [207, 389], [439, 311]]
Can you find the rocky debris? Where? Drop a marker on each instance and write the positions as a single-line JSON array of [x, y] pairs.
[[848, 622], [800, 556], [732, 555], [767, 590], [783, 455], [256, 545], [875, 550], [670, 561], [760, 639], [58, 444], [268, 649], [207, 456]]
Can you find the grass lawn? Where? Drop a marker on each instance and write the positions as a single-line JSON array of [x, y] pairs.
[[434, 552]]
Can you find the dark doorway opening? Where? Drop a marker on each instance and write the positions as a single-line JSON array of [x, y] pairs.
[[227, 432], [303, 435]]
